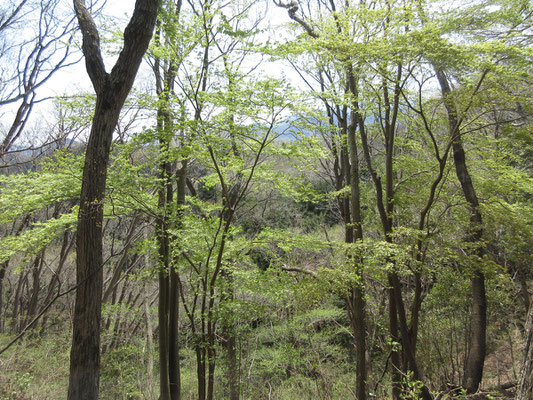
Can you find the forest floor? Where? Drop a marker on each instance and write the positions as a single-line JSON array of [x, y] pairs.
[[36, 368]]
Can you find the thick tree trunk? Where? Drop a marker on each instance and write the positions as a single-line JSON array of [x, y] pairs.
[[85, 351], [111, 92]]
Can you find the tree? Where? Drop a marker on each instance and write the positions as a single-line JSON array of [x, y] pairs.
[[111, 92], [525, 384], [29, 62], [479, 67], [346, 170], [165, 70]]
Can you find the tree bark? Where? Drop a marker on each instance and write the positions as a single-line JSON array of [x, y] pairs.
[[358, 300], [163, 306], [397, 314], [476, 355], [165, 73], [525, 384], [3, 268], [111, 92], [149, 342], [174, 361]]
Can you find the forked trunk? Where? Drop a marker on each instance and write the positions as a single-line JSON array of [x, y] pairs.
[[111, 92]]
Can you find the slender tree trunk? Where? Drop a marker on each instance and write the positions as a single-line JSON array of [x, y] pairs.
[[201, 370], [165, 269], [165, 73], [17, 301], [396, 367], [3, 268], [173, 355], [228, 326], [359, 303], [523, 287], [211, 360], [36, 288], [168, 284], [174, 361], [476, 355], [164, 384], [230, 344], [232, 368], [477, 349], [149, 344], [525, 384], [66, 246]]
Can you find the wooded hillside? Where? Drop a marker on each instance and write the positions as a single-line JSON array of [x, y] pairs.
[[267, 200]]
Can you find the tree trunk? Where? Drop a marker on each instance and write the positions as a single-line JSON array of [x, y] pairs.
[[174, 360], [149, 343], [3, 268], [173, 355], [476, 355], [358, 300], [200, 368], [85, 351], [111, 92], [232, 368], [17, 301], [164, 384], [523, 287], [229, 343], [66, 247], [395, 355], [36, 288], [525, 384], [211, 359], [163, 238]]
